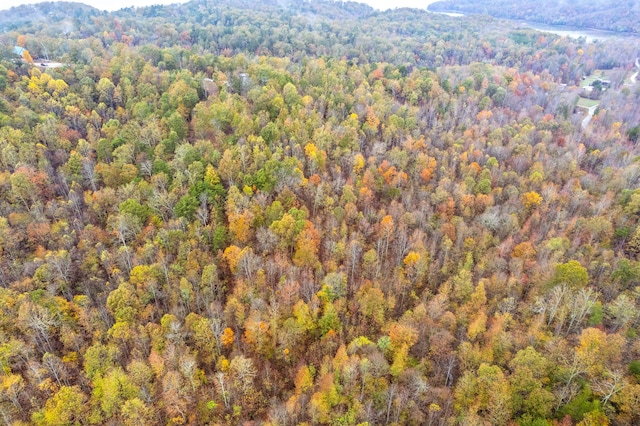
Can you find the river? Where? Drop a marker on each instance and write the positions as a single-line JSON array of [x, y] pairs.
[[590, 35]]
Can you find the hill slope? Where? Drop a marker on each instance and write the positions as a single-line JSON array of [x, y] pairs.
[[60, 15]]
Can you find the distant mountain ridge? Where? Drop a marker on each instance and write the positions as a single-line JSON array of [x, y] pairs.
[[295, 28], [50, 12], [327, 9], [619, 16], [64, 13], [63, 9]]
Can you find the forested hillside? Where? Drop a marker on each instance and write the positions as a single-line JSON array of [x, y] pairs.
[[315, 213], [620, 16], [57, 16]]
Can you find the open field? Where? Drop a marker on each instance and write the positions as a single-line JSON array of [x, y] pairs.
[[586, 103], [596, 75]]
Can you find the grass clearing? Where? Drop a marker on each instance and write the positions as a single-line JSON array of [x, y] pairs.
[[587, 103], [596, 75]]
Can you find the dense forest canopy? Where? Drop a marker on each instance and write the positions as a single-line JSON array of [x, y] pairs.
[[611, 15], [241, 212]]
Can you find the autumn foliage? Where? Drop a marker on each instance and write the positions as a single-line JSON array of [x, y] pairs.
[[245, 214]]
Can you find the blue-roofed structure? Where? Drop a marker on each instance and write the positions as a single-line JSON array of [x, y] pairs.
[[18, 50]]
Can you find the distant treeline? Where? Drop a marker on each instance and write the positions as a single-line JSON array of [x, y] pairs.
[[621, 16]]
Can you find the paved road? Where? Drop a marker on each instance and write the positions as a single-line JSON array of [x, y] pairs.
[[589, 116], [635, 74]]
